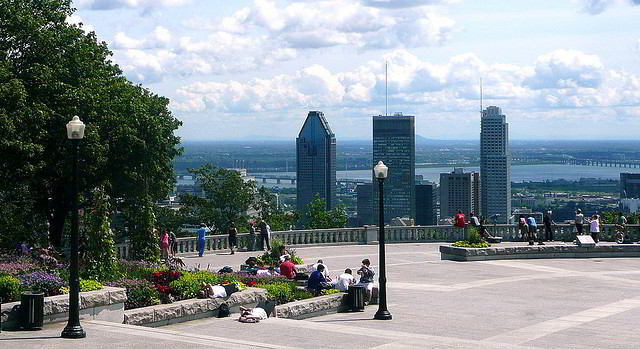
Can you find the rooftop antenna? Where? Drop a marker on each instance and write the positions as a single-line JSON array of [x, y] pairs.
[[480, 97], [386, 95]]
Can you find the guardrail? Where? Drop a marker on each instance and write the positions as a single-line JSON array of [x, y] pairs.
[[369, 235]]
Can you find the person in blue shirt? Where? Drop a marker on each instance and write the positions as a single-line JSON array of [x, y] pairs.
[[201, 234], [317, 282], [533, 229]]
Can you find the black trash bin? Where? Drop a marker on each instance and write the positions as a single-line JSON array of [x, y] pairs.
[[356, 295], [32, 310]]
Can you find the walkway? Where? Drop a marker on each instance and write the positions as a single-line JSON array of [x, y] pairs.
[[563, 303]]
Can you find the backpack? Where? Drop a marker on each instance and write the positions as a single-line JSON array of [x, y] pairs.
[[226, 269], [223, 310]]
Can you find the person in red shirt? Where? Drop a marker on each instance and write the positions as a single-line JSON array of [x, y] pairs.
[[287, 268], [460, 220]]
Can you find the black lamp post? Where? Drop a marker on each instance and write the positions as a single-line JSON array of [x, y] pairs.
[[75, 132], [380, 171]]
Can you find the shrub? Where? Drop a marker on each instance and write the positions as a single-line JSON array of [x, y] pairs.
[[467, 244], [40, 281], [329, 291], [140, 293], [188, 286], [301, 294], [474, 235], [9, 288], [100, 252], [281, 292], [137, 269], [85, 286], [272, 257]]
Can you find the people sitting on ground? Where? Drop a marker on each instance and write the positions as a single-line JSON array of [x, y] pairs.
[[262, 270], [212, 291], [326, 270], [345, 280], [366, 277], [287, 268], [317, 282], [252, 315], [282, 251]]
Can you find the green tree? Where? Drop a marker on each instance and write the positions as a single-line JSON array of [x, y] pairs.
[[227, 197], [281, 220], [100, 253], [51, 70], [317, 217], [145, 239], [265, 203]]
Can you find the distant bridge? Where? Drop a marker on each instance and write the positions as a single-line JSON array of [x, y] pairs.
[[270, 178], [604, 163]]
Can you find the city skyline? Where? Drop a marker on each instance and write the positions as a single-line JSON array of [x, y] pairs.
[[235, 69]]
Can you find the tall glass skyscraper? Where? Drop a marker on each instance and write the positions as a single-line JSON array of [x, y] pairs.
[[495, 166], [394, 143], [316, 162]]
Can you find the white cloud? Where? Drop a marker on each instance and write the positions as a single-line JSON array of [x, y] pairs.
[[560, 79], [402, 3], [117, 4], [160, 37], [595, 7], [77, 20], [566, 69], [307, 25]]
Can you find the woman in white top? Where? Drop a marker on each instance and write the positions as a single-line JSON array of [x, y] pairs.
[[595, 227]]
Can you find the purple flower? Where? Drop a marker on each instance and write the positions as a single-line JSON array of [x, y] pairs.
[[40, 281], [16, 268]]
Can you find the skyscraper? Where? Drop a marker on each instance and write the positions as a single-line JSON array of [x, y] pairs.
[[394, 143], [363, 204], [459, 190], [426, 199], [316, 162], [495, 166], [629, 185]]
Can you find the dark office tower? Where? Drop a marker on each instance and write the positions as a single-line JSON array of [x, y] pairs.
[[316, 162], [495, 166], [364, 204], [459, 191], [394, 143], [629, 185], [426, 204]]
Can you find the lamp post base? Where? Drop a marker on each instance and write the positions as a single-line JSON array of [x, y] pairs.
[[382, 315], [73, 332]]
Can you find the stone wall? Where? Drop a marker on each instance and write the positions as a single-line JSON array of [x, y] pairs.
[[312, 307], [192, 309], [546, 251], [106, 305]]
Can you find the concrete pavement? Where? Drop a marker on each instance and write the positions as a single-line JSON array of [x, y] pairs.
[[557, 303]]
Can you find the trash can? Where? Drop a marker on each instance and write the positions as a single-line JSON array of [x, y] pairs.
[[32, 310], [356, 295]]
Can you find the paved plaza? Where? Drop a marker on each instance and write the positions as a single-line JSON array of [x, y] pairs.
[[550, 303]]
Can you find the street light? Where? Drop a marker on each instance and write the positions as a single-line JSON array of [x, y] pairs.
[[75, 132], [380, 171]]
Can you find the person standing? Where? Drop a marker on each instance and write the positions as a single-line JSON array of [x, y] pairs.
[[264, 234], [547, 221], [233, 237], [164, 243], [252, 236], [201, 234], [524, 228], [594, 227], [579, 221], [173, 241], [533, 230], [460, 223]]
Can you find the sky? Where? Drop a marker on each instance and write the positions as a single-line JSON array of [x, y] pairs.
[[251, 70]]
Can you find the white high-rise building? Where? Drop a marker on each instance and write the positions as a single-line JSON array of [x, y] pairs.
[[495, 166]]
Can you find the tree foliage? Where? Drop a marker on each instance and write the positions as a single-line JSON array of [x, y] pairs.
[[100, 254], [317, 217], [145, 238], [227, 197], [51, 70]]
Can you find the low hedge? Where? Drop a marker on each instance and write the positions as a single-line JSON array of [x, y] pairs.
[[9, 288], [188, 285]]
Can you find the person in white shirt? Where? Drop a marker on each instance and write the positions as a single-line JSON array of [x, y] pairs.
[[345, 280], [325, 273]]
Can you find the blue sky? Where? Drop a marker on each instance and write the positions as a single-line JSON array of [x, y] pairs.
[[245, 69]]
